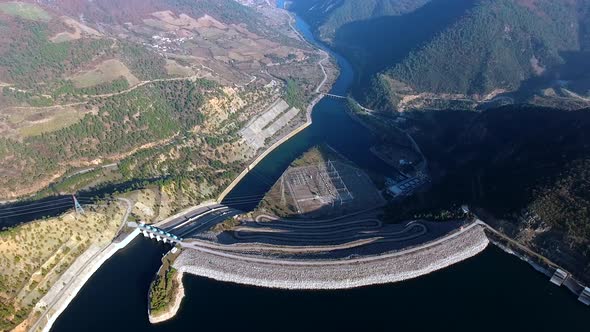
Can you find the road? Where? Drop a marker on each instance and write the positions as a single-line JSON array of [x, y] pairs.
[[198, 220], [326, 262], [86, 170], [325, 54], [106, 95]]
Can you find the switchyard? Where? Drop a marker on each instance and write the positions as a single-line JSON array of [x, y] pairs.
[[327, 187]]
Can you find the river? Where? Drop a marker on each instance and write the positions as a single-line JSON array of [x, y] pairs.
[[330, 124], [493, 291]]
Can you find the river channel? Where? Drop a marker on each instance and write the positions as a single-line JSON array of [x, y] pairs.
[[492, 292]]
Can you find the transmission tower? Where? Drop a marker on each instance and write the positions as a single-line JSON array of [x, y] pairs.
[[79, 209]]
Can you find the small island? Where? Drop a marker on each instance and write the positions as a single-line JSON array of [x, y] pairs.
[[166, 290]]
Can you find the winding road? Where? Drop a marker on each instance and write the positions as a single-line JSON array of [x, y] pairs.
[[326, 262], [278, 231]]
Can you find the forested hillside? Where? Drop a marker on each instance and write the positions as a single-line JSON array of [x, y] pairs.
[[141, 99], [496, 46], [145, 115], [158, 87], [374, 34], [417, 54], [528, 167], [328, 16]]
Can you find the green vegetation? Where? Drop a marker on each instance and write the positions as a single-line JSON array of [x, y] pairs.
[[226, 225], [317, 154], [25, 10], [145, 115], [144, 63], [491, 48], [27, 97], [164, 287], [35, 254], [68, 88], [162, 291], [565, 202], [61, 120], [294, 96], [9, 315], [497, 45]]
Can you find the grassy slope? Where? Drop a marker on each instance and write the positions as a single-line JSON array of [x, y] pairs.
[[24, 10], [34, 255]]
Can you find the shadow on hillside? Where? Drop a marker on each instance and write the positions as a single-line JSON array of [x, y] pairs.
[[376, 44], [573, 73]]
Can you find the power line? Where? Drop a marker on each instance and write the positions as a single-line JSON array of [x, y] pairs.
[[37, 208], [262, 178], [234, 199], [24, 204], [39, 205], [32, 212], [79, 208]]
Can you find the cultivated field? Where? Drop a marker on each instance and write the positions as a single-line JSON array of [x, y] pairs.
[[79, 30], [24, 122], [105, 72], [24, 10]]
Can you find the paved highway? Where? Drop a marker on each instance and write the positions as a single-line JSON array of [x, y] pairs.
[[327, 262], [328, 231], [198, 220]]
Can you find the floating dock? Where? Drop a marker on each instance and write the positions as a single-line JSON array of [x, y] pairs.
[[585, 296], [559, 277]]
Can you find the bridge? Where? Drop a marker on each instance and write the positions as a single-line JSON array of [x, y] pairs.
[[330, 95], [333, 96], [187, 224]]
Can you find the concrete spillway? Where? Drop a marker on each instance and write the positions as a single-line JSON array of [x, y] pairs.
[[159, 234]]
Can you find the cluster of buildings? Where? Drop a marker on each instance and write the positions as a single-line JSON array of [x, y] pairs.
[[406, 187], [166, 44]]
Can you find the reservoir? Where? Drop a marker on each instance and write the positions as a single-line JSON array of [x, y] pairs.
[[493, 291]]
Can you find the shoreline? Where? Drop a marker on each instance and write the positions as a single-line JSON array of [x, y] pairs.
[[295, 131], [328, 274], [535, 260], [271, 148], [53, 310]]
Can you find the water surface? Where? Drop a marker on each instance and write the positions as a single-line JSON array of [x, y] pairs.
[[491, 292]]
